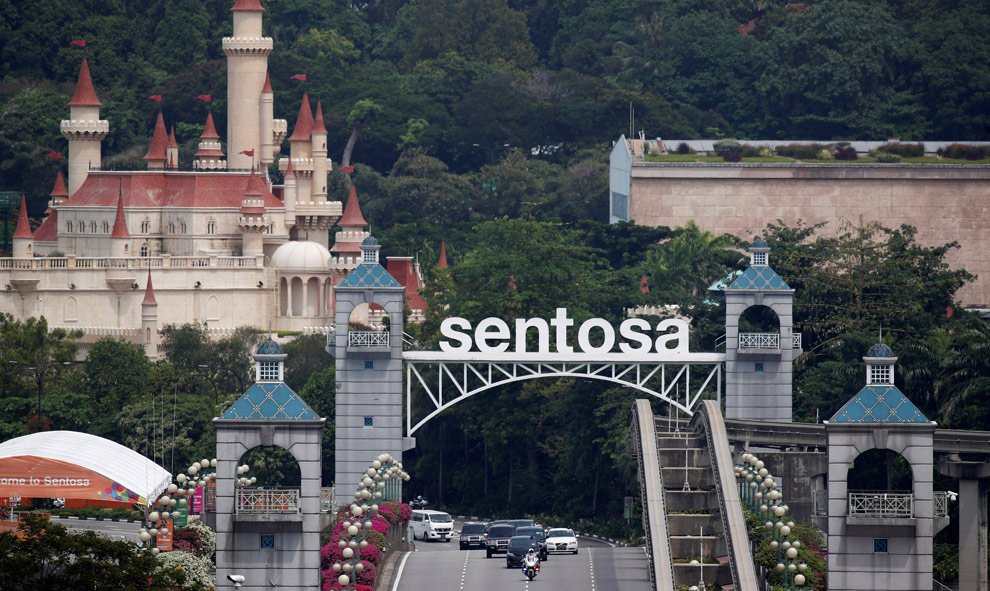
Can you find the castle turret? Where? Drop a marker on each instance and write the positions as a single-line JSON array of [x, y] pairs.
[[157, 155], [347, 242], [254, 218], [120, 238], [172, 151], [247, 66], [290, 194], [23, 237], [149, 320], [442, 261], [84, 130], [209, 156], [267, 123], [320, 161], [59, 193], [301, 151]]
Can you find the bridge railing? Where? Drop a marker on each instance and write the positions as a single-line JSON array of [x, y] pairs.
[[796, 340], [267, 502], [880, 504], [367, 338], [819, 501], [644, 445], [941, 503], [759, 340], [327, 499]]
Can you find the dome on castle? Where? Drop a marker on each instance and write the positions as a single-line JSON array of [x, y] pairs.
[[759, 243], [880, 350], [369, 241], [301, 256], [270, 347]]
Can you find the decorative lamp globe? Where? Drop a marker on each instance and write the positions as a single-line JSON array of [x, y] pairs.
[[359, 567], [791, 568], [344, 580], [336, 567], [352, 530], [348, 568], [155, 551], [799, 580], [792, 553], [348, 553], [785, 531]]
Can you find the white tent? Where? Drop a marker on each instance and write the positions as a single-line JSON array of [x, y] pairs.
[[37, 459]]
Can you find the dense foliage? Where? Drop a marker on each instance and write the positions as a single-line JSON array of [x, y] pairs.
[[471, 84]]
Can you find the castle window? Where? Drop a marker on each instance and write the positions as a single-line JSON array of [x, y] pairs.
[[759, 258], [211, 227], [182, 227], [171, 227], [106, 227], [92, 227], [145, 226], [144, 249], [369, 256], [268, 371], [880, 374], [68, 227]]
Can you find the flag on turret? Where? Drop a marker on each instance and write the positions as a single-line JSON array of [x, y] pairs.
[[206, 98], [300, 77], [78, 42], [155, 97]]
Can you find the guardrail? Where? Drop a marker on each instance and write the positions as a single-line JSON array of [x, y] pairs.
[[759, 340], [161, 262], [364, 338], [267, 502], [880, 504], [941, 503], [796, 340]]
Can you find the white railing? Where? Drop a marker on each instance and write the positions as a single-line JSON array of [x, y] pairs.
[[880, 504], [267, 502], [941, 503], [759, 340], [327, 499], [796, 338], [162, 262], [936, 586], [819, 500], [365, 338]]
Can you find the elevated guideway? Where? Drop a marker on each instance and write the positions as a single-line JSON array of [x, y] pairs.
[[696, 532]]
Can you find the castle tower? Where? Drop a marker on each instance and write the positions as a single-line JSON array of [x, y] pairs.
[[209, 155], [267, 123], [254, 218], [369, 367], [759, 342], [23, 237], [271, 538], [84, 130], [247, 66], [442, 261], [289, 194], [319, 151], [157, 155], [172, 151], [149, 320], [120, 238], [301, 151], [880, 537], [59, 193], [347, 242]]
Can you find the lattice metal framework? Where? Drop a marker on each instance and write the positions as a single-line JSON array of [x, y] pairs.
[[446, 381], [759, 340], [367, 338], [265, 502]]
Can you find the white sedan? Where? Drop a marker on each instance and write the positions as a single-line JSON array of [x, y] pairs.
[[561, 539]]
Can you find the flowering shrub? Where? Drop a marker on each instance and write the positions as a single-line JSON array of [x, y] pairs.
[[330, 584], [331, 553], [196, 538], [375, 539], [198, 570]]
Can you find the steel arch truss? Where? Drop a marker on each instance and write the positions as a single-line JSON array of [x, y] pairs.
[[445, 382]]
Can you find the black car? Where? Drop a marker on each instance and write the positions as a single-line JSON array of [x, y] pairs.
[[518, 548], [473, 535], [520, 522], [498, 539], [538, 535]]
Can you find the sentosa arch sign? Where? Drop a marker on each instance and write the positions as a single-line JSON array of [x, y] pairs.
[[652, 357]]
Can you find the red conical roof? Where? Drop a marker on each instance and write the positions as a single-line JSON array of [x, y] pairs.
[[644, 285], [23, 225], [268, 85], [159, 141], [303, 131], [171, 138], [442, 263], [85, 95], [149, 293], [119, 223], [352, 212], [248, 6], [210, 130], [59, 189], [256, 185], [318, 126], [288, 170]]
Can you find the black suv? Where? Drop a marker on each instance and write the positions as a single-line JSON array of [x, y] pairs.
[[473, 535], [498, 539], [539, 536], [518, 548]]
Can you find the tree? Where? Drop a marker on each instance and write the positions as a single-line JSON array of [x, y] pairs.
[[115, 373]]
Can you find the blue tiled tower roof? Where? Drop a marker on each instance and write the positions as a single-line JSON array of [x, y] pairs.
[[369, 275], [880, 350], [270, 401], [269, 347], [759, 243], [759, 277], [879, 404]]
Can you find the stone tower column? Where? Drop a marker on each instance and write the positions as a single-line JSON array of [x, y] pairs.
[[247, 66], [267, 124], [149, 321], [84, 130], [319, 151], [23, 238]]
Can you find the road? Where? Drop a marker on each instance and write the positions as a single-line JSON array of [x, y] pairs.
[[121, 531], [439, 566]]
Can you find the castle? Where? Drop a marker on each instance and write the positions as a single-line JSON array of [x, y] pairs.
[[123, 253]]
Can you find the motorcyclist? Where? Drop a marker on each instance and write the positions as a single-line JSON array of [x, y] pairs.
[[531, 561]]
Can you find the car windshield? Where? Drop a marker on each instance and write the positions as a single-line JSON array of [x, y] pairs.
[[440, 518], [560, 533], [521, 522], [520, 542], [534, 532], [502, 531], [473, 528]]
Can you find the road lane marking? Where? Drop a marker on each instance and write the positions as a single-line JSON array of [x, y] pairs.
[[464, 570], [398, 575], [591, 569]]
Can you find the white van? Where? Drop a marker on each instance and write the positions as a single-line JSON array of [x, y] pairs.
[[431, 525]]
